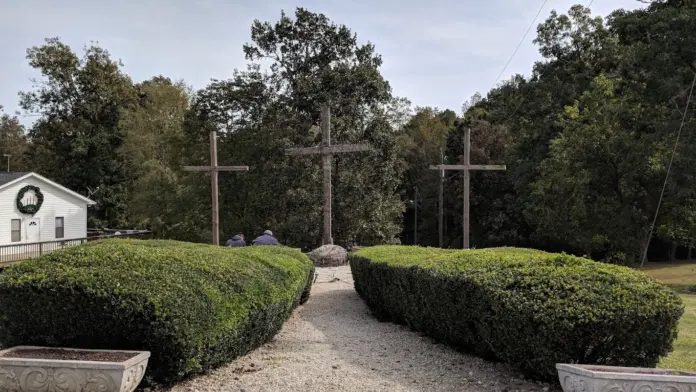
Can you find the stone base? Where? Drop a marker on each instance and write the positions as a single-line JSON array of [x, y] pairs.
[[42, 375], [329, 256], [595, 378]]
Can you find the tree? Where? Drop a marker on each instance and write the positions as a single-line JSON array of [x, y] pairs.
[[421, 143], [589, 194], [153, 149], [13, 142], [76, 140], [313, 61]]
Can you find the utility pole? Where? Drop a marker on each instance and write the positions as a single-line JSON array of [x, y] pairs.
[[8, 161]]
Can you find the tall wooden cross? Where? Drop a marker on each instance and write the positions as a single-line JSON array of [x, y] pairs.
[[466, 167], [326, 150], [214, 169]]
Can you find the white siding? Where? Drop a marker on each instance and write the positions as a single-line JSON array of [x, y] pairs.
[[57, 203]]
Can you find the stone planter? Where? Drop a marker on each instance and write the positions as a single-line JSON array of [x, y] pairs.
[[594, 378], [84, 371]]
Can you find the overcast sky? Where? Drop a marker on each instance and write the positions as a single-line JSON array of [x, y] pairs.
[[436, 53]]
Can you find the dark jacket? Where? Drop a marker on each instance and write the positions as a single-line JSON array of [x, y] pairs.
[[265, 239], [235, 241]]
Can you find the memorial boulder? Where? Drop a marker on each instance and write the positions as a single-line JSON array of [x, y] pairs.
[[329, 256]]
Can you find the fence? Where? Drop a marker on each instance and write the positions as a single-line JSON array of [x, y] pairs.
[[10, 254]]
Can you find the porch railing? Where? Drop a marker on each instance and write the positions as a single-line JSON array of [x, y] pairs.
[[10, 254]]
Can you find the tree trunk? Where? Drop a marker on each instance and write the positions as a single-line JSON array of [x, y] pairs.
[[689, 255], [673, 251]]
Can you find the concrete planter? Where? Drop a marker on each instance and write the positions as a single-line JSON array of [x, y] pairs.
[[593, 378], [57, 375]]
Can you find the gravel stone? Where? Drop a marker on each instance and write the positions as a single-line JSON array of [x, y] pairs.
[[332, 343]]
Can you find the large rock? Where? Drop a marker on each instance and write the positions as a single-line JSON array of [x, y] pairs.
[[329, 256]]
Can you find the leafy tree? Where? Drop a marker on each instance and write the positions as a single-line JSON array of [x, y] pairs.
[[13, 141], [313, 61], [76, 140], [422, 142], [153, 149], [589, 195]]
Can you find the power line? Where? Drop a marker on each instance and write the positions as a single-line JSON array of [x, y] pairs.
[[521, 41], [669, 167]]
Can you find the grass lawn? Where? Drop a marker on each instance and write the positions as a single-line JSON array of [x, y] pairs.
[[680, 276], [684, 355]]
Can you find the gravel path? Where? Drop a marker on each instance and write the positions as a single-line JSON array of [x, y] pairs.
[[332, 343]]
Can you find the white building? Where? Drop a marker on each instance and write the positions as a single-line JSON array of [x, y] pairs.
[[35, 209]]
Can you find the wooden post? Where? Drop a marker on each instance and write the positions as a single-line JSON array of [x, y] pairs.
[[441, 201], [466, 167], [415, 216], [214, 188], [213, 169], [326, 150], [326, 165], [465, 209]]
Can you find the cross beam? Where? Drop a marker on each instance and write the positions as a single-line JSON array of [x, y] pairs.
[[466, 167], [214, 169], [326, 150]]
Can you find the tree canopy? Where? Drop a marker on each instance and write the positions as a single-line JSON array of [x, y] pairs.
[[587, 138]]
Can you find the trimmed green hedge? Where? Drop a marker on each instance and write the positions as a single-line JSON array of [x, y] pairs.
[[194, 306], [528, 308]]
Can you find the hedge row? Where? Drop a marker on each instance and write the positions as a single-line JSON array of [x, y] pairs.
[[528, 308], [195, 307]]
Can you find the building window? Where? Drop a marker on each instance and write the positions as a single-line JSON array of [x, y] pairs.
[[16, 230], [60, 231]]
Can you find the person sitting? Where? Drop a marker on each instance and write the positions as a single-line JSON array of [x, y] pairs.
[[265, 239], [236, 241]]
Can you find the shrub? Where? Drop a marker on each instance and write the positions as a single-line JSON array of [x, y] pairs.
[[193, 306], [528, 308]]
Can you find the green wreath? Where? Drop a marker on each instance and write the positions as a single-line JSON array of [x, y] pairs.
[[30, 209]]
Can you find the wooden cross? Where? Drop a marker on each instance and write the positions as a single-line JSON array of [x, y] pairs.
[[326, 150], [466, 167], [214, 169]]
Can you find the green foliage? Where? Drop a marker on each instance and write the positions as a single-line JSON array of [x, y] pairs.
[[591, 191], [586, 139], [195, 307], [13, 141], [591, 132], [30, 209], [262, 114], [76, 140], [525, 307], [153, 149], [420, 144]]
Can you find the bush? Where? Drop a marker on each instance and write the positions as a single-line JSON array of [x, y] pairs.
[[528, 308], [195, 307]]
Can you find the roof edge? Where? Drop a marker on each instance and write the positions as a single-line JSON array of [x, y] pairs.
[[87, 200]]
